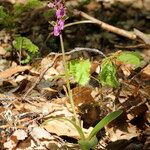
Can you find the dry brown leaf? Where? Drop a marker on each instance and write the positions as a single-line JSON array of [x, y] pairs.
[[4, 64], [18, 105], [145, 73], [4, 97], [61, 128], [50, 73], [20, 134], [126, 70], [82, 95], [126, 131], [25, 144], [94, 67], [40, 133], [13, 70], [2, 51], [8, 82], [10, 145], [133, 104]]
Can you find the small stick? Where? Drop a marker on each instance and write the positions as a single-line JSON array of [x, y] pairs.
[[131, 46], [77, 49], [108, 27]]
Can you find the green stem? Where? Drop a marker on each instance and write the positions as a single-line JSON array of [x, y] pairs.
[[68, 83]]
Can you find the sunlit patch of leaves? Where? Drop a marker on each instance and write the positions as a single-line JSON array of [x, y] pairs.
[[80, 69]]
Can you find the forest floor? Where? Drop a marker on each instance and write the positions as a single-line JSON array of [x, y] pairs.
[[34, 92]]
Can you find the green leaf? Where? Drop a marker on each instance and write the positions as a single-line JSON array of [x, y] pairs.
[[133, 58], [88, 144], [104, 122], [23, 43], [27, 60], [80, 69], [108, 74], [26, 44]]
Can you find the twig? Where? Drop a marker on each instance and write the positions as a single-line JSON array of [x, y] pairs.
[[78, 22], [131, 46], [77, 49], [107, 26]]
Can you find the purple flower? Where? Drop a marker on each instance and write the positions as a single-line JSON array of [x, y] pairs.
[[58, 27], [60, 12], [61, 24], [56, 30]]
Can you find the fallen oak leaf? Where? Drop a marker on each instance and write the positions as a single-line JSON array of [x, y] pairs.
[[13, 70]]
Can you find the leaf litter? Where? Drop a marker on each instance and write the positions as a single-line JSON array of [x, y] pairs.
[[31, 122]]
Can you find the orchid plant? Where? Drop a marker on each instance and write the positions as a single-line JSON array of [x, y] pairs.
[[60, 12], [85, 143]]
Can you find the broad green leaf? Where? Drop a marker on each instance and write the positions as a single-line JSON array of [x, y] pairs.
[[80, 69], [133, 58], [88, 144], [108, 74], [104, 122]]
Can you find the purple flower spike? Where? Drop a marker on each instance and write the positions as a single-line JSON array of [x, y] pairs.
[[60, 12]]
